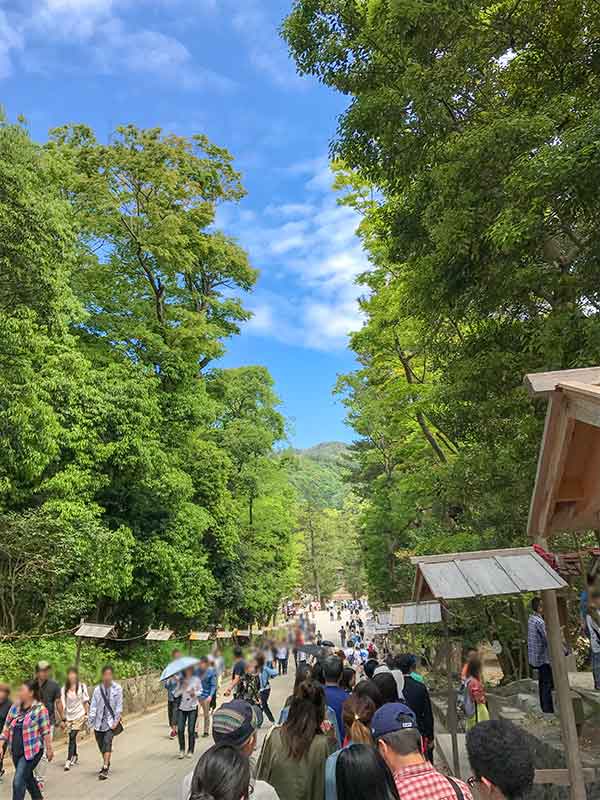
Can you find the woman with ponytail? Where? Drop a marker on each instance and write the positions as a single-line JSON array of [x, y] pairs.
[[357, 712], [222, 773], [294, 755]]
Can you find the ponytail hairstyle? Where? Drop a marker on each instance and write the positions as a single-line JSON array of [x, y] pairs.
[[305, 717], [357, 713], [222, 773]]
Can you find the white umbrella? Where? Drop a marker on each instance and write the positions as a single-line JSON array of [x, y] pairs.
[[179, 665]]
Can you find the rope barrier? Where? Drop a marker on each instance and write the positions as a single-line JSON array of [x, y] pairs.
[[19, 636]]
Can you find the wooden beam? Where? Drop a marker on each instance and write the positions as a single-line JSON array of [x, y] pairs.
[[570, 739], [558, 431], [560, 777], [542, 384], [470, 556]]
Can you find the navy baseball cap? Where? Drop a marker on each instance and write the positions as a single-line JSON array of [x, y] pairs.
[[393, 717]]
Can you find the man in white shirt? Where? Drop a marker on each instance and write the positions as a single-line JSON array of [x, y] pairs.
[[105, 714], [236, 724]]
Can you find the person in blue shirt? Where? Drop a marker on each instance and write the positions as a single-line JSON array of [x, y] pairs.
[[335, 696], [266, 672], [208, 677]]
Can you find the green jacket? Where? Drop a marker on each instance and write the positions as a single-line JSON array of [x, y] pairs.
[[295, 780]]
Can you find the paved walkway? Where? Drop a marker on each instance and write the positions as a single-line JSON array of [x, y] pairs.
[[145, 763]]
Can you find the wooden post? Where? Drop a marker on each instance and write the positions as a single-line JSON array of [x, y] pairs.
[[451, 715], [566, 713], [78, 654], [78, 650]]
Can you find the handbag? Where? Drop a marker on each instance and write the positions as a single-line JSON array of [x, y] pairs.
[[119, 728]]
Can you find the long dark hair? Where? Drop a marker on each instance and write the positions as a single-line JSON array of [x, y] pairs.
[[306, 715], [222, 773], [474, 668], [362, 774], [368, 688], [67, 685], [386, 683], [303, 673]]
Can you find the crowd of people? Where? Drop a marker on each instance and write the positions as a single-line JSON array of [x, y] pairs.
[[357, 725]]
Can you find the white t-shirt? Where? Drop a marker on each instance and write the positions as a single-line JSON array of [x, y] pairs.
[[74, 703]]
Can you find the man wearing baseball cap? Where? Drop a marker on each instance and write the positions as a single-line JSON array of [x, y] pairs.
[[236, 724], [397, 737]]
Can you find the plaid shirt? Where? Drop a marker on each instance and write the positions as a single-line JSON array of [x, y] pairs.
[[36, 725], [424, 782], [537, 641]]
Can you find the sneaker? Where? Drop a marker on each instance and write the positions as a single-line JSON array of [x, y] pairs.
[[189, 755], [103, 775], [181, 755], [67, 765], [75, 761]]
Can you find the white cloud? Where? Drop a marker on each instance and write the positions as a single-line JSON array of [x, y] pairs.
[[110, 43], [266, 50], [311, 256], [10, 40]]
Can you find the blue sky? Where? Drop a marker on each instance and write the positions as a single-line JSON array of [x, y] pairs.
[[216, 67]]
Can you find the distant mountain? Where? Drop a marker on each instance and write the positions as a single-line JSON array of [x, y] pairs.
[[331, 452], [317, 473]]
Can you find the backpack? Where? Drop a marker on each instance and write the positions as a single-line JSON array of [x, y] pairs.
[[469, 705]]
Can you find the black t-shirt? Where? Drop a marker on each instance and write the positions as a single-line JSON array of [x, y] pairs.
[[239, 668], [4, 709], [50, 693]]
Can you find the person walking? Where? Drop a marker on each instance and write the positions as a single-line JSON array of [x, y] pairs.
[[219, 668], [359, 772], [236, 724], [539, 654], [476, 709], [398, 739], [28, 734], [188, 690], [106, 710], [222, 773], [266, 672], [293, 756], [592, 622], [335, 696], [172, 701], [357, 713], [5, 706], [237, 671], [75, 703], [416, 697], [208, 680], [50, 696], [342, 632], [282, 658]]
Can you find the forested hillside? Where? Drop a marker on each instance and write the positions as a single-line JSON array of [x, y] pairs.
[[331, 552], [137, 478]]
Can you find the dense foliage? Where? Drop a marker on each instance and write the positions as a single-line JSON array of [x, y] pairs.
[[330, 553], [470, 144], [137, 479]]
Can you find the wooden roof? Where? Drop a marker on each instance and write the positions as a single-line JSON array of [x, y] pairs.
[[566, 495], [159, 635], [484, 573], [199, 636], [416, 613], [94, 630]]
